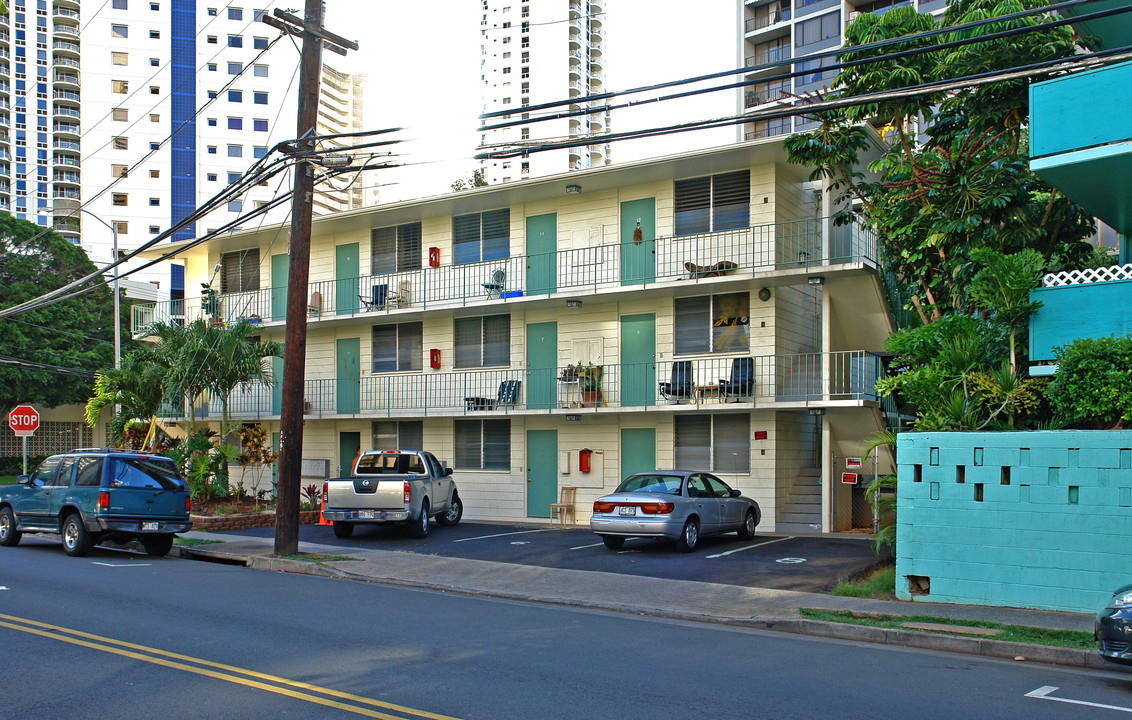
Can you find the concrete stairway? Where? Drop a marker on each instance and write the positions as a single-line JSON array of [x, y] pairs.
[[802, 511]]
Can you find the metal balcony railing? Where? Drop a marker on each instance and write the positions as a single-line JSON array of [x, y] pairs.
[[711, 383], [732, 253]]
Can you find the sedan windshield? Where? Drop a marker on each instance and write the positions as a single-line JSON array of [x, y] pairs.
[[658, 484]]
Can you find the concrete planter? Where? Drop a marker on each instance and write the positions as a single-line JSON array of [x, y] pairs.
[[245, 521]]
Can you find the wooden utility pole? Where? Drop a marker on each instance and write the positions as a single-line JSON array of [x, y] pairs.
[[309, 27]]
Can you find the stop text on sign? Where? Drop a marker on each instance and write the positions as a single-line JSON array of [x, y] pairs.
[[24, 420]]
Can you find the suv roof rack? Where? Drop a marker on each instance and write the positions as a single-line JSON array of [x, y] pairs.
[[110, 450]]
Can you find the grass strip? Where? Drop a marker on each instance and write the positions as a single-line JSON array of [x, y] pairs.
[[1013, 633], [189, 542], [317, 558], [878, 584]]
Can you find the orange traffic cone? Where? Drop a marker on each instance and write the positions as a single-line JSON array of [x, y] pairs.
[[322, 518]]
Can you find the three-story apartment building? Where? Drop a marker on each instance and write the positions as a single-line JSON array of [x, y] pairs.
[[691, 311]]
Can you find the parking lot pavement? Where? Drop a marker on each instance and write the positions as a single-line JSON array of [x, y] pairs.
[[774, 561]]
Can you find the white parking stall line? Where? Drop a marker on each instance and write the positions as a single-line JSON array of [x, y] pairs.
[[104, 564], [583, 547], [485, 537], [1043, 693], [748, 547]]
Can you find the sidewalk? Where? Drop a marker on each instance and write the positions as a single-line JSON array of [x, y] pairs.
[[679, 599]]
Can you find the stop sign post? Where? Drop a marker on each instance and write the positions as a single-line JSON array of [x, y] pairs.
[[24, 421]]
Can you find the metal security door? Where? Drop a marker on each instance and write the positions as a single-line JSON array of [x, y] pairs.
[[349, 376], [542, 246], [638, 360], [638, 450], [280, 267], [542, 471], [638, 257], [346, 275], [542, 365]]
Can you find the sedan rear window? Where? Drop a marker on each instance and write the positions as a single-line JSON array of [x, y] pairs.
[[150, 473], [659, 484]]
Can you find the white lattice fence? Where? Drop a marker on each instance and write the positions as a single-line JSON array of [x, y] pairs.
[[1092, 275]]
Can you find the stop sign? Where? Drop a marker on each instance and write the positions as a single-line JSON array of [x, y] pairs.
[[24, 420]]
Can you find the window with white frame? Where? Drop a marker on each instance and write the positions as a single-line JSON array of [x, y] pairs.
[[713, 203], [481, 236], [482, 341], [397, 347], [719, 442], [712, 323], [482, 444], [398, 435], [395, 249]]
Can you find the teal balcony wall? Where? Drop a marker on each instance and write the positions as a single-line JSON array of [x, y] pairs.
[[1081, 140], [1035, 519], [1073, 311]]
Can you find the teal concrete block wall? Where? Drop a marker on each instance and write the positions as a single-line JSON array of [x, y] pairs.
[[1025, 519], [1075, 311]]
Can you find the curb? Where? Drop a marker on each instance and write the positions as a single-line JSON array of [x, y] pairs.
[[998, 649]]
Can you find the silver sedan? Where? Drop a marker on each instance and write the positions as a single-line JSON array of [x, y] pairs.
[[675, 505]]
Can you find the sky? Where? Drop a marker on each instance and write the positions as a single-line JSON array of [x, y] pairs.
[[423, 60]]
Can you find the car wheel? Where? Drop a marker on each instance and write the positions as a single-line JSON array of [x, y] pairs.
[[613, 542], [76, 540], [343, 529], [689, 536], [9, 535], [750, 522], [157, 545], [455, 512], [419, 527]]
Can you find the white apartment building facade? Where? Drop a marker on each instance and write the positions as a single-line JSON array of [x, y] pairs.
[[538, 52]]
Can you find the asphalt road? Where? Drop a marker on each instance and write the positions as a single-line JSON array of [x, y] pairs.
[[779, 562], [118, 635]]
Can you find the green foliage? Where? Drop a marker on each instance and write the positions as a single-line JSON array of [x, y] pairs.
[[881, 493], [880, 585], [14, 464], [136, 388], [1093, 384], [475, 180], [76, 333], [969, 185], [1002, 287], [203, 464]]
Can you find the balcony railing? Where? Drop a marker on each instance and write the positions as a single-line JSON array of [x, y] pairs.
[[732, 254], [711, 383]]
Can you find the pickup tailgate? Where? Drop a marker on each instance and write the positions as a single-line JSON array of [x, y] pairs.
[[385, 493]]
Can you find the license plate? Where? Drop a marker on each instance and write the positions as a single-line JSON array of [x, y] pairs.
[[149, 526], [627, 510], [365, 514]]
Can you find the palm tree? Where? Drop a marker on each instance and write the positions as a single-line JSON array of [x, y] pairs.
[[235, 359], [136, 389]]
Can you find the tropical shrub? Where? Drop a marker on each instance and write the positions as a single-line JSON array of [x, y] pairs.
[[1093, 384]]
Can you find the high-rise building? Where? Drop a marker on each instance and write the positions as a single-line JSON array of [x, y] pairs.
[[776, 30], [538, 52], [340, 113]]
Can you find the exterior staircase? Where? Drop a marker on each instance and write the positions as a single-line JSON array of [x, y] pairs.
[[802, 511]]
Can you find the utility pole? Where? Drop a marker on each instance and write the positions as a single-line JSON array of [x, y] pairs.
[[309, 27]]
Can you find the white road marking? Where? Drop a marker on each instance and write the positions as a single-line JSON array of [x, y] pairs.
[[1043, 693], [520, 542], [3, 588], [121, 565], [791, 561], [748, 547], [485, 537], [583, 547]]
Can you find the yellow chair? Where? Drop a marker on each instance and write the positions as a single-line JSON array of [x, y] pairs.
[[564, 506]]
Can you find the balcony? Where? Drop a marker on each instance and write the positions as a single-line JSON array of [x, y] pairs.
[[766, 17], [61, 29], [774, 381], [62, 12], [69, 48], [59, 111], [67, 96], [1071, 151], [64, 62], [66, 145], [668, 261], [1078, 304], [66, 129], [66, 79]]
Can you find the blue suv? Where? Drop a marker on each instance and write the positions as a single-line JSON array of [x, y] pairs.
[[95, 494]]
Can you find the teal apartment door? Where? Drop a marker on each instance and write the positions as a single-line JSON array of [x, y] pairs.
[[638, 259], [280, 267], [346, 275], [349, 376], [542, 471], [638, 450], [349, 443], [542, 365], [276, 386], [542, 246], [638, 360]]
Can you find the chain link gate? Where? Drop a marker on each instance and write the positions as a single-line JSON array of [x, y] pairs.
[[851, 508]]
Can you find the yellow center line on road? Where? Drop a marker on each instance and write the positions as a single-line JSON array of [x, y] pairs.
[[219, 671]]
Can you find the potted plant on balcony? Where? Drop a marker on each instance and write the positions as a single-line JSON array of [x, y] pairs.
[[210, 304], [589, 379]]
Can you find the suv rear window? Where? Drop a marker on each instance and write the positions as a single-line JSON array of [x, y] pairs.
[[151, 473]]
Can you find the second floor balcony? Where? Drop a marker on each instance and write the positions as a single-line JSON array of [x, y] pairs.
[[1078, 304], [695, 385], [796, 246]]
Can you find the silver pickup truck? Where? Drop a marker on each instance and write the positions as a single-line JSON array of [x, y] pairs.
[[393, 486]]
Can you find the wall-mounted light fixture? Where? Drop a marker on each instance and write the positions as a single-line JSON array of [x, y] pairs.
[[817, 411], [573, 303], [764, 294], [815, 280], [573, 189]]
